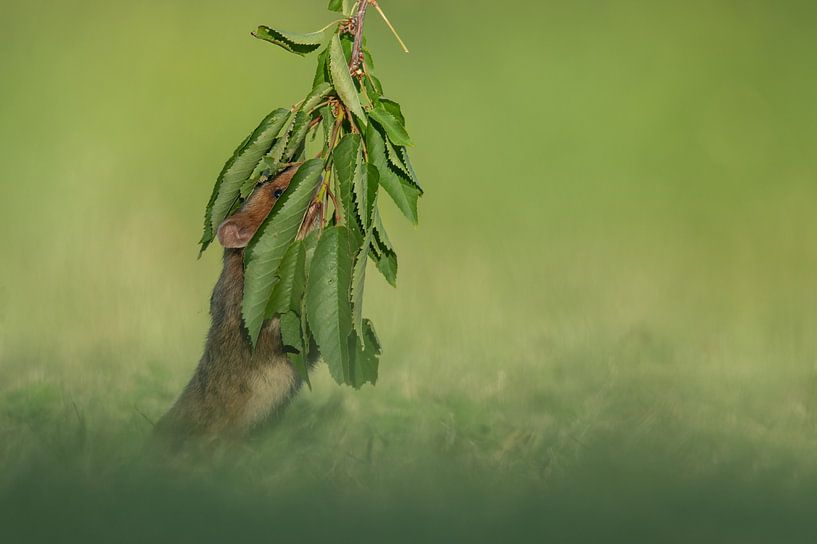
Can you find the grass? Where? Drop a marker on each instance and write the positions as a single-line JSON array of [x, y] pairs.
[[603, 329]]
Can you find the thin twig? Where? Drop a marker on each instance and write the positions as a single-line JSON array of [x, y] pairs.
[[319, 106], [350, 117], [330, 24], [324, 192], [309, 220], [360, 17], [335, 130], [314, 122], [335, 202], [388, 23]]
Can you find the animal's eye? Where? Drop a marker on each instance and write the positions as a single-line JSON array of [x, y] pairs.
[[277, 193]]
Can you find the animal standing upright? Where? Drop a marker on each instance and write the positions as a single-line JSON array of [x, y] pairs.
[[236, 387]]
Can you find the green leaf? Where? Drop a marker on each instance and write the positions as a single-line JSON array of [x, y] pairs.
[[341, 6], [358, 282], [373, 88], [248, 186], [412, 173], [342, 79], [328, 123], [329, 310], [310, 243], [385, 255], [380, 233], [300, 126], [359, 271], [285, 145], [359, 183], [367, 58], [316, 96], [276, 153], [289, 288], [321, 72], [292, 340], [367, 180], [392, 125], [396, 158], [365, 353], [236, 171], [346, 157], [387, 264], [402, 191], [268, 247], [366, 208], [347, 43], [300, 44], [291, 331], [288, 142], [393, 108]]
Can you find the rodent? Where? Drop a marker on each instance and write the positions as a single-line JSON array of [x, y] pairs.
[[234, 387]]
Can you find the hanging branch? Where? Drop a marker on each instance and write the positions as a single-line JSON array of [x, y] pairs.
[[364, 155], [359, 21]]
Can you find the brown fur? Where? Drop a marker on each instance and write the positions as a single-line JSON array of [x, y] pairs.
[[235, 388], [237, 230]]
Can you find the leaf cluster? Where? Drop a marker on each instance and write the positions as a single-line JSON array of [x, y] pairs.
[[306, 264]]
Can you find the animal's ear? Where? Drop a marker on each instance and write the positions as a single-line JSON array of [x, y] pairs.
[[236, 232]]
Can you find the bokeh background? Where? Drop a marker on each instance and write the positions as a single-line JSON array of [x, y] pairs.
[[604, 327]]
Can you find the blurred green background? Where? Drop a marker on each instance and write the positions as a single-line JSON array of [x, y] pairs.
[[605, 325]]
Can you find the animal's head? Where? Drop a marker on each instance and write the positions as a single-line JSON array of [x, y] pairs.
[[237, 230]]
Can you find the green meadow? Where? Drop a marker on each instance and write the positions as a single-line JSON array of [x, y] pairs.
[[605, 326]]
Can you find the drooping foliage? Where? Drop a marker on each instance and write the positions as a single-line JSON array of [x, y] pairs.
[[306, 265]]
